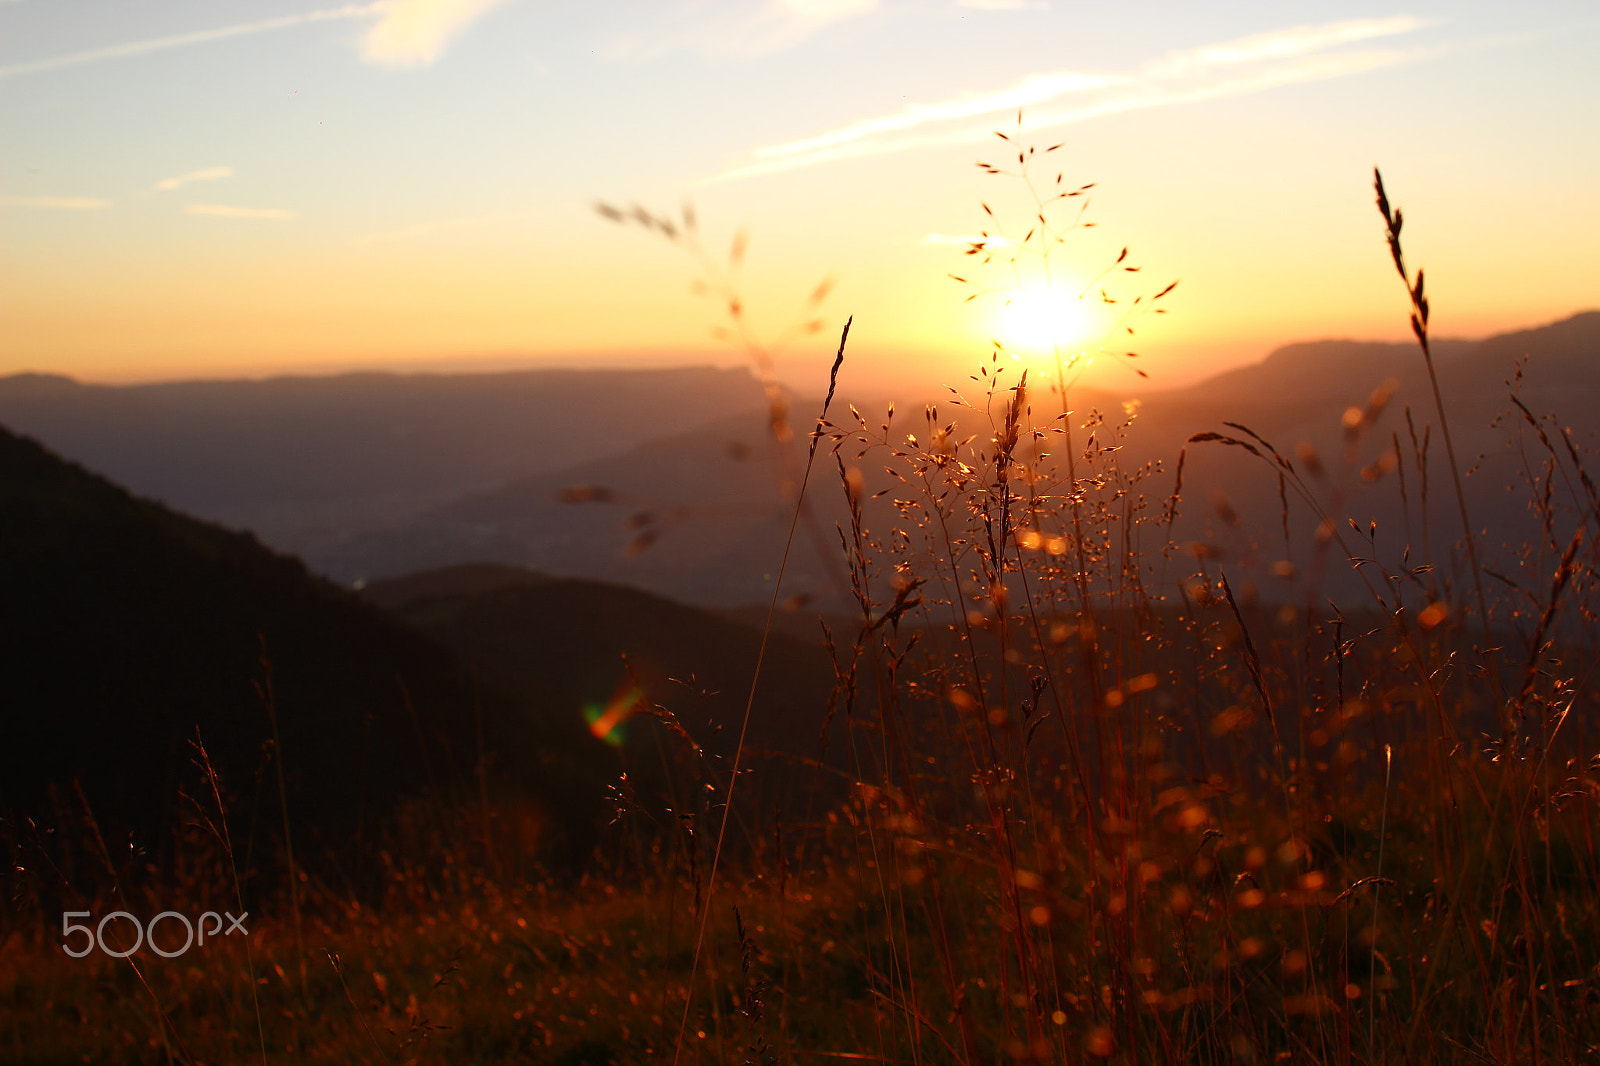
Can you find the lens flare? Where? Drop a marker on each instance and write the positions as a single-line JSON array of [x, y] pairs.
[[607, 724]]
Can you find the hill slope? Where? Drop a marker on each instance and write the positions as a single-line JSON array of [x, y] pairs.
[[124, 627], [699, 517], [583, 644]]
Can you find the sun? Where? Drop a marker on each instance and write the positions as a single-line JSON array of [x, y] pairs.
[[1039, 321]]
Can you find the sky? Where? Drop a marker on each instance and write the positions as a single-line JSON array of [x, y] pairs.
[[193, 189]]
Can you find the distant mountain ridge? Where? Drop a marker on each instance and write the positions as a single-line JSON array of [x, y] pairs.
[[1408, 514], [692, 506], [303, 461], [710, 498], [1314, 368], [699, 517]]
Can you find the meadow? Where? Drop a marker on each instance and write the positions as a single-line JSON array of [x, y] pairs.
[[1089, 788]]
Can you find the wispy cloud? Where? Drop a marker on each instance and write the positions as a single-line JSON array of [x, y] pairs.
[[406, 33], [209, 174], [732, 28], [413, 33], [181, 40], [227, 211], [68, 203], [1232, 68], [1285, 44], [1317, 68], [1030, 91]]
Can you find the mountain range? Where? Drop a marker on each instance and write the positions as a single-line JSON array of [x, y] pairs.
[[305, 461], [669, 481]]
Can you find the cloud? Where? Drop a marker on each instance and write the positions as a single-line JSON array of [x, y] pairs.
[[209, 174], [1321, 68], [226, 211], [69, 203], [406, 33], [1285, 44], [414, 32], [156, 44], [1030, 91], [1231, 68]]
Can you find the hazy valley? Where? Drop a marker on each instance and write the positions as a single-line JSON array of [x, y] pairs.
[[680, 488]]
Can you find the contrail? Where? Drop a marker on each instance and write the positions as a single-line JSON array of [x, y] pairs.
[[156, 44]]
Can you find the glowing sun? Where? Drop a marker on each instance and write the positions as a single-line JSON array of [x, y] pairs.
[[1037, 321]]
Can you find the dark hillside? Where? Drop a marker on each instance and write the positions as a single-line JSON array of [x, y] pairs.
[[584, 645], [125, 626]]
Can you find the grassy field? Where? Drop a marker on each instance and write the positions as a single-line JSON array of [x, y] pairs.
[[1111, 798]]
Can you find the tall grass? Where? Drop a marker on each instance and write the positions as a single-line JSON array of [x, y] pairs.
[[1106, 801], [1099, 815]]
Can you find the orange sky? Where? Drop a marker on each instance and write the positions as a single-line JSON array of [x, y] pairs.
[[410, 184]]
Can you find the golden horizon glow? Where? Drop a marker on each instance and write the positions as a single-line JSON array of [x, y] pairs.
[[387, 184]]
